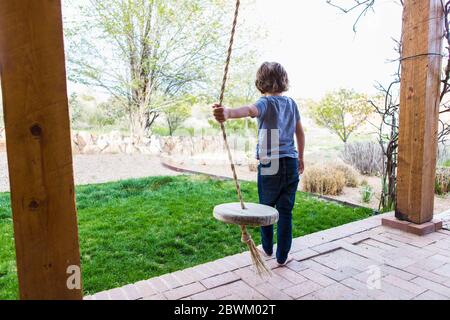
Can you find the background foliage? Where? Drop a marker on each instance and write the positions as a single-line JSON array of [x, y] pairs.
[[342, 112]]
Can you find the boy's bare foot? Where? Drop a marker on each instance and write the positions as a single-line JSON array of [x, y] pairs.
[[289, 259]]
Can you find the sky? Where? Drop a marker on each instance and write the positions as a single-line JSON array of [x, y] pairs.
[[316, 44]]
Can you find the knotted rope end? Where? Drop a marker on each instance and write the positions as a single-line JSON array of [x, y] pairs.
[[258, 262]]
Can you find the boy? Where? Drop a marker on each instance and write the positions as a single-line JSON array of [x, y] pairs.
[[280, 164]]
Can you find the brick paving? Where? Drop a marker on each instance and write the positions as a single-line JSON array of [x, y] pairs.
[[358, 261]]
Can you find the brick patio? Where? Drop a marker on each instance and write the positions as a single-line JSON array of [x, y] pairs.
[[361, 260]]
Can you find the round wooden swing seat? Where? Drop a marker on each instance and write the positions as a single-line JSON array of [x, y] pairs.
[[255, 215]]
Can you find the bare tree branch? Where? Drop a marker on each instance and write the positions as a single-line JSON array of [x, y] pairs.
[[363, 7]]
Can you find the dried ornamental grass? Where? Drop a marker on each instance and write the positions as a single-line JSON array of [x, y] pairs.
[[350, 174], [366, 157], [323, 180], [442, 183]]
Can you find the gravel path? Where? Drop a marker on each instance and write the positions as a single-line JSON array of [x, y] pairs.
[[103, 168]]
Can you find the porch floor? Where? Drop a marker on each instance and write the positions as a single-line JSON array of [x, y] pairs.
[[361, 260]]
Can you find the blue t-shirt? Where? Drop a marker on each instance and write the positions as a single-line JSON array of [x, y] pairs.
[[277, 120]]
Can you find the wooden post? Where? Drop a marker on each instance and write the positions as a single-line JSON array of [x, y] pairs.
[[33, 76], [419, 109]]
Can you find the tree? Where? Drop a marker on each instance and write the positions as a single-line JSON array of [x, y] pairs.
[[146, 53], [87, 113], [342, 112], [110, 113], [177, 114], [236, 125], [75, 110]]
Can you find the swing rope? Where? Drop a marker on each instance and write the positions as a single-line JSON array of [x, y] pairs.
[[222, 95], [246, 238]]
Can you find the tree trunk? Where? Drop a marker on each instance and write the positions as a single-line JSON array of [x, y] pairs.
[[138, 126]]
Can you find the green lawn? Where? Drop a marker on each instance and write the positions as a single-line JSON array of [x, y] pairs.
[[137, 229]]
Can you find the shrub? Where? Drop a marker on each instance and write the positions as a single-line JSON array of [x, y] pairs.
[[442, 183], [366, 193], [366, 157], [323, 180], [342, 112], [350, 174], [446, 163], [443, 155], [160, 131]]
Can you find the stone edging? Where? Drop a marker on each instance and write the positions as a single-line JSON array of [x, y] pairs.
[[345, 203], [181, 170]]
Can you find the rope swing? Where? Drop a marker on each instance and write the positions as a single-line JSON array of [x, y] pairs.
[[243, 214]]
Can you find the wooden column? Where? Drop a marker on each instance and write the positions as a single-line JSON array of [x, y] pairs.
[[419, 109], [33, 78]]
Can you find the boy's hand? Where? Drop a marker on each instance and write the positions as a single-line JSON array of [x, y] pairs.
[[221, 113], [301, 166]]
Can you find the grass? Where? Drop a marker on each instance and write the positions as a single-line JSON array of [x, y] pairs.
[[137, 229], [446, 163]]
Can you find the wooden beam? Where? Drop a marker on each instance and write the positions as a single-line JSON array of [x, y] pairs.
[[33, 78], [419, 109]]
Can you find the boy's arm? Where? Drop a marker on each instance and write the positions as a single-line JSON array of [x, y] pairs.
[[300, 134], [223, 114]]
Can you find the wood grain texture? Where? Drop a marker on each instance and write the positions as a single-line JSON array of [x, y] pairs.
[[33, 75], [419, 109], [255, 215]]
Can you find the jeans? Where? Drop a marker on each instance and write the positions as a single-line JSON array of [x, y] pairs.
[[278, 190]]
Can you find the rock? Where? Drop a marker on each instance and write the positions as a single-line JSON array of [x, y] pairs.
[[186, 147], [127, 140], [75, 148], [113, 148], [83, 139], [115, 136], [145, 150], [154, 146], [145, 141], [91, 149], [102, 143], [122, 147], [131, 149], [169, 145]]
